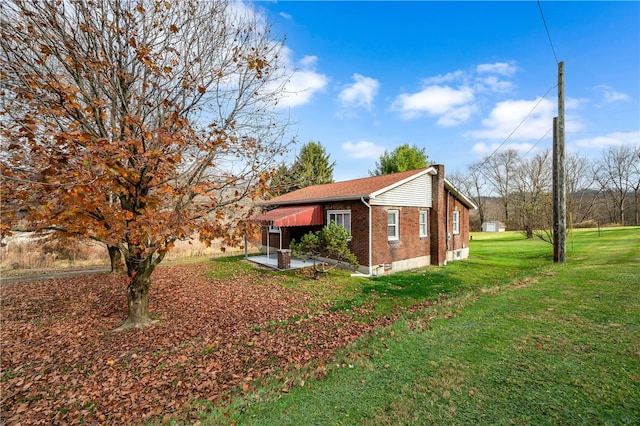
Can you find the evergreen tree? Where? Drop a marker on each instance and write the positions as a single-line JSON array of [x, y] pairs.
[[401, 159], [312, 166]]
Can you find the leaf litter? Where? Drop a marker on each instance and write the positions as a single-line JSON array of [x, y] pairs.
[[61, 364]]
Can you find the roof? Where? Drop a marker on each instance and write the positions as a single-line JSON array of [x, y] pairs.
[[460, 196], [349, 189], [292, 216]]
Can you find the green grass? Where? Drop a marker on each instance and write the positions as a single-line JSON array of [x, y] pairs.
[[517, 340]]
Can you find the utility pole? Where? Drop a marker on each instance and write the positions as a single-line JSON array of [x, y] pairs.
[[559, 172]]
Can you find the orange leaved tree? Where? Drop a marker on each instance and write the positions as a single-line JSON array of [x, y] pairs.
[[136, 123]]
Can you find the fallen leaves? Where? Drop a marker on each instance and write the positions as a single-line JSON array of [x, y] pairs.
[[61, 364]]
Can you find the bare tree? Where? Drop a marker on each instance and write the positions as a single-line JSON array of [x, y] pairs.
[[137, 123], [617, 177], [532, 195], [635, 183], [582, 193], [473, 184], [499, 171]]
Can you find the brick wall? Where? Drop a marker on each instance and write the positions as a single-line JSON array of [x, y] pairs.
[[359, 244], [437, 219], [408, 246], [461, 240]]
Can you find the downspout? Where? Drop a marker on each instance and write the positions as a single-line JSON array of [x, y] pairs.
[[370, 245]]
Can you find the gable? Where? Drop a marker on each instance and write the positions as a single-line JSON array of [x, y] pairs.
[[414, 193]]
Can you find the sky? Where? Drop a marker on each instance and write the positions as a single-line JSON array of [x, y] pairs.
[[460, 79]]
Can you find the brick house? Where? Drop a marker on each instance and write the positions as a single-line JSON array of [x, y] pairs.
[[397, 221]]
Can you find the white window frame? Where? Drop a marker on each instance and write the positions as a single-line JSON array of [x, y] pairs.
[[456, 222], [341, 218], [395, 235], [423, 224]]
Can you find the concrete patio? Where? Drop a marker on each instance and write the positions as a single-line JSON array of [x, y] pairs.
[[271, 261]]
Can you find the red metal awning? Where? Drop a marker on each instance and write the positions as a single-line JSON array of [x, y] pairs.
[[292, 216]]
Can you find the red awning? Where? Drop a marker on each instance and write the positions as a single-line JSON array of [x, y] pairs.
[[292, 216]]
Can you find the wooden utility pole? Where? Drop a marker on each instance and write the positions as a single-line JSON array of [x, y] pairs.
[[559, 172]]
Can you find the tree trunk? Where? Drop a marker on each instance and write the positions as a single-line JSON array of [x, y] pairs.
[[115, 256], [138, 294]]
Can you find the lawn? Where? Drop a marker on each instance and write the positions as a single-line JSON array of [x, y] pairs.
[[504, 337], [516, 340]]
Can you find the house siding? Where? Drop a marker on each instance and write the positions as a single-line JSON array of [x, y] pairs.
[[415, 193]]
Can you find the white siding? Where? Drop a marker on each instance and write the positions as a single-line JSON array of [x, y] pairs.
[[415, 193]]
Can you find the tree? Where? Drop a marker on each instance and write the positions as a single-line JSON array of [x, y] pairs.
[[531, 197], [472, 184], [401, 159], [282, 181], [499, 171], [581, 194], [312, 166], [136, 123], [617, 176], [329, 242]]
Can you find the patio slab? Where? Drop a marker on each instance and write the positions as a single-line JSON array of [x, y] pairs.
[[271, 261]]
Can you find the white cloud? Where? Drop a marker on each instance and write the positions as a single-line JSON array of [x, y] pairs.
[[309, 61], [452, 97], [612, 139], [447, 78], [452, 105], [502, 68], [493, 84], [609, 95], [455, 116], [359, 94], [286, 16], [363, 149], [507, 117], [303, 83]]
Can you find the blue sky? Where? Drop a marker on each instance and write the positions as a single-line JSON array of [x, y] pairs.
[[457, 78]]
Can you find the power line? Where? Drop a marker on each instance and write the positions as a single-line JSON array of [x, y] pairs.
[[548, 33], [486, 159], [535, 144], [480, 165]]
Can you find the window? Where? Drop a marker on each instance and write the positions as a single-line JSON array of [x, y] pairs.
[[424, 223], [393, 225], [456, 222], [341, 218]]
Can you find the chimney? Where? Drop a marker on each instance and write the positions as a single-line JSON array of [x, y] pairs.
[[438, 218]]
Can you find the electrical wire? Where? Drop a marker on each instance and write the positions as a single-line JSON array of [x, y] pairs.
[[548, 33], [487, 158]]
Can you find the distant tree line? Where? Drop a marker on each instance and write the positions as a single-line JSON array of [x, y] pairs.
[[517, 190]]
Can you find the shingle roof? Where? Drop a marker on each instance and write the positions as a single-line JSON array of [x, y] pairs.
[[347, 190]]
